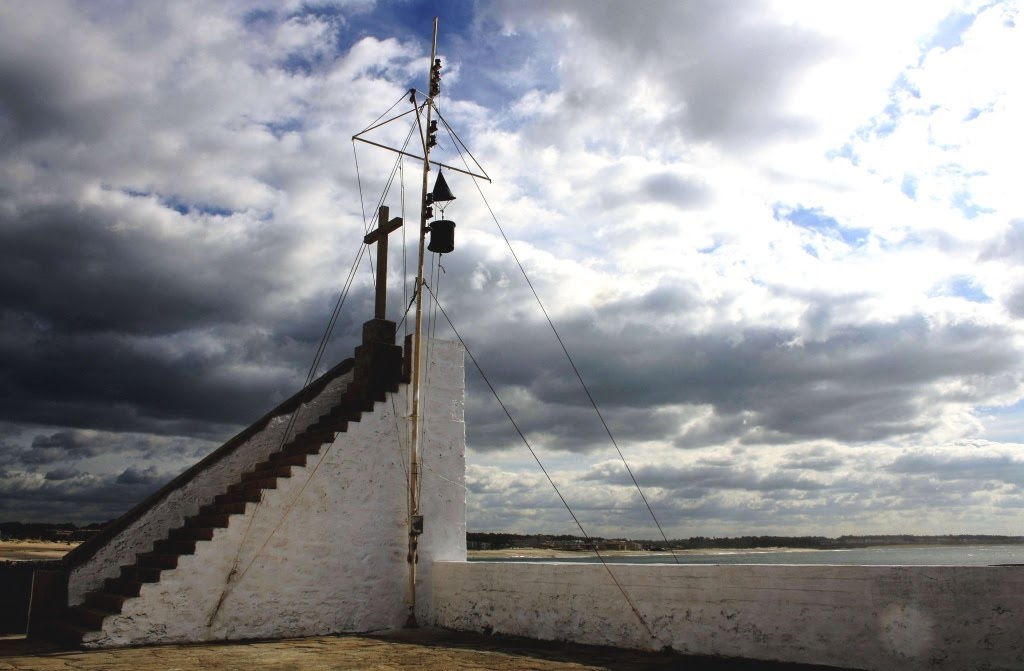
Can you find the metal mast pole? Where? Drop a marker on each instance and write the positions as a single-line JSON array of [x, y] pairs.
[[415, 521]]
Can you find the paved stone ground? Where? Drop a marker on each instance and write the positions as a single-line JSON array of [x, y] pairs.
[[406, 649]]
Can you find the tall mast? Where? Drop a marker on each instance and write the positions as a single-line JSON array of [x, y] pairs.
[[415, 519]]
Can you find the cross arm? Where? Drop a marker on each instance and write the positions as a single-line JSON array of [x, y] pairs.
[[382, 230]]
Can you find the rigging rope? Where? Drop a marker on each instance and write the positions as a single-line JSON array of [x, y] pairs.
[[547, 475], [558, 337]]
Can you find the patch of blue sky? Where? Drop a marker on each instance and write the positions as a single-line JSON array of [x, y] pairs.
[[813, 219], [902, 84], [846, 151], [304, 64], [962, 201], [966, 287], [710, 249], [949, 33], [976, 112], [180, 205], [282, 127], [886, 123], [185, 207], [1017, 407], [811, 251], [909, 186]]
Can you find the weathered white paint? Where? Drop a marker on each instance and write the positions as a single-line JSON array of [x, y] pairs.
[[326, 551], [185, 501], [864, 617]]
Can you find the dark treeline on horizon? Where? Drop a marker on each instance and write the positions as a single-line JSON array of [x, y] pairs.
[[49, 531]]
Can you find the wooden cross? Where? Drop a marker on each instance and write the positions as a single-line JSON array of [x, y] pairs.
[[380, 236]]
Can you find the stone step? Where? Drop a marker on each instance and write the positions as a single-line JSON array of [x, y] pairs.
[[237, 508], [318, 436], [175, 546], [252, 495], [261, 483], [192, 533], [276, 471], [158, 560], [356, 402], [303, 446], [106, 601], [87, 617], [284, 458], [123, 586], [342, 413], [216, 521], [141, 573], [323, 425]]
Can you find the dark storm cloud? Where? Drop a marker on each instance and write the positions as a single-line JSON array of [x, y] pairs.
[[109, 381], [71, 446], [133, 476], [63, 474], [57, 447], [82, 299], [65, 495], [30, 95], [76, 269]]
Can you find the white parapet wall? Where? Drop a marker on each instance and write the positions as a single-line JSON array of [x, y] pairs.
[[889, 618]]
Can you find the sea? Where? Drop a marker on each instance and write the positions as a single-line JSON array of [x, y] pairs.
[[898, 555]]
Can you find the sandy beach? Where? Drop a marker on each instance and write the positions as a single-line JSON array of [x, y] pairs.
[[26, 550]]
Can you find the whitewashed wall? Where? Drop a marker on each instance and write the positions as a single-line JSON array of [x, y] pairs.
[[863, 617], [326, 551], [185, 501], [443, 468]]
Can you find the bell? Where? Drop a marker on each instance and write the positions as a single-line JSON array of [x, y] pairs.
[[442, 236], [441, 192]]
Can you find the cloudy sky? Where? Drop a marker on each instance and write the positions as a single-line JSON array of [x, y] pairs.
[[781, 240]]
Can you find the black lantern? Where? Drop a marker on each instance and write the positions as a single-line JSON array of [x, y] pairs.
[[442, 236]]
